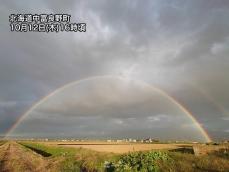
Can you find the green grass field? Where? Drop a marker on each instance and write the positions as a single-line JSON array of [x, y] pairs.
[[72, 159]]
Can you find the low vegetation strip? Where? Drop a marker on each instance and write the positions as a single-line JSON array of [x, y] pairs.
[[73, 159], [2, 142], [49, 150], [43, 153]]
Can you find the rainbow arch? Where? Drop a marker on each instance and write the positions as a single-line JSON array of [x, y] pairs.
[[160, 91], [210, 98]]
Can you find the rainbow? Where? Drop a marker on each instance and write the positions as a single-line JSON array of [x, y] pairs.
[[160, 91], [217, 105]]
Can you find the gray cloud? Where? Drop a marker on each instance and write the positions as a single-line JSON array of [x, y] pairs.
[[170, 44], [106, 106]]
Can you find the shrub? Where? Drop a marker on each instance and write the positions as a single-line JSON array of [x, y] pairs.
[[138, 161]]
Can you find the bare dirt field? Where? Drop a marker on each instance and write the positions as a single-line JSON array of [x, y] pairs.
[[123, 148], [117, 147]]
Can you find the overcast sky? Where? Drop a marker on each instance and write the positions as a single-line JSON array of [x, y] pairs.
[[180, 46]]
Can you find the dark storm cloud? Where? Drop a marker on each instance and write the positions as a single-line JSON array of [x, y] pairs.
[[171, 44]]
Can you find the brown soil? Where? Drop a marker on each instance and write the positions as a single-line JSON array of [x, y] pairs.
[[122, 148], [14, 158]]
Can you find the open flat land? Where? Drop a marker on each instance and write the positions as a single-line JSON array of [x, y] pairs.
[[119, 147], [37, 156]]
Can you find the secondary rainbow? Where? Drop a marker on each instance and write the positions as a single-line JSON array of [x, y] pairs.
[[210, 98], [160, 91]]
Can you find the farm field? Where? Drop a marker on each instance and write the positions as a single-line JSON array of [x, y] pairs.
[[14, 158], [117, 147], [35, 156], [120, 147]]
